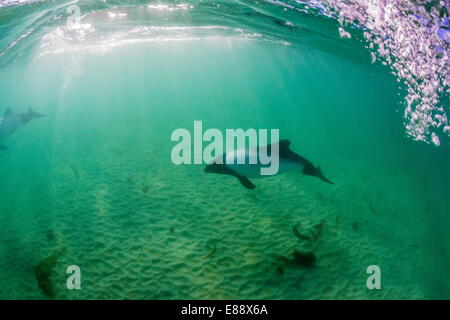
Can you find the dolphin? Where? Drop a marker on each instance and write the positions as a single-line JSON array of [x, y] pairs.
[[12, 121], [288, 161]]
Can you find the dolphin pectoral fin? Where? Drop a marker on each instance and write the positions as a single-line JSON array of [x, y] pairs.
[[245, 182], [224, 169]]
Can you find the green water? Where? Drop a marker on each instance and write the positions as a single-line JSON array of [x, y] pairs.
[[93, 181]]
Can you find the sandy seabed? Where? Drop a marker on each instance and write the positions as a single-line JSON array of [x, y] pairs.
[[147, 229]]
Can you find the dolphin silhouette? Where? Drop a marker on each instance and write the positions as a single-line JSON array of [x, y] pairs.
[[12, 121], [288, 161]]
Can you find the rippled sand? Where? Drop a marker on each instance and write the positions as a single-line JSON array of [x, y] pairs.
[[147, 229]]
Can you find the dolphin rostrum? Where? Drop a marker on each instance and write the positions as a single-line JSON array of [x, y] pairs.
[[12, 121], [288, 161]]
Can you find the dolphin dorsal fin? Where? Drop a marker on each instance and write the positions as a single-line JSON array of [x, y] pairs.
[[284, 144], [8, 112], [288, 154]]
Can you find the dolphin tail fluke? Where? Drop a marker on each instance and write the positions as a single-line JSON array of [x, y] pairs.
[[320, 175], [310, 170], [33, 114]]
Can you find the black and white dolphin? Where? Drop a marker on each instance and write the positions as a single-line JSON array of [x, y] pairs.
[[12, 121], [288, 161]]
